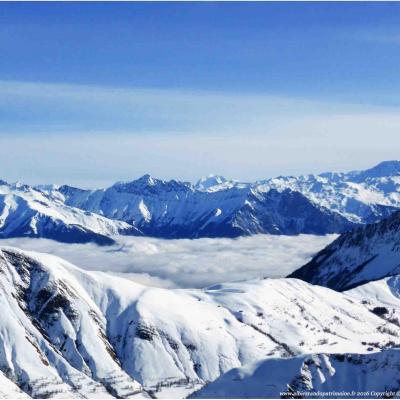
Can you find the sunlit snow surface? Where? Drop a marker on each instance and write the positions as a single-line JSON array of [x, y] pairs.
[[187, 263], [91, 334]]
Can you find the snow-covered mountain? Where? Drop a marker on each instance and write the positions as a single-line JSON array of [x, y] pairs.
[[214, 207], [214, 182], [66, 332], [9, 390], [53, 339], [25, 211], [179, 210], [343, 374], [217, 207], [360, 196], [340, 376], [368, 253]]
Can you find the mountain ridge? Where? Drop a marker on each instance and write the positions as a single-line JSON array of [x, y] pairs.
[[215, 207], [28, 212], [365, 254]]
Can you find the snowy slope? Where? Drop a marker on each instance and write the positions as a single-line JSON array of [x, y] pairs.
[[367, 253], [25, 211], [52, 335], [341, 373], [9, 390], [91, 334], [384, 292], [314, 376]]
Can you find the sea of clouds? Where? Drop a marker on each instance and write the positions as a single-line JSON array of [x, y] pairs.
[[186, 263]]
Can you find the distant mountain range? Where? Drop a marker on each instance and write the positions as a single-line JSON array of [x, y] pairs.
[[214, 207], [70, 333], [217, 207]]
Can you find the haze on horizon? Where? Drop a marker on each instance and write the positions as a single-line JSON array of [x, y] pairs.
[[93, 93]]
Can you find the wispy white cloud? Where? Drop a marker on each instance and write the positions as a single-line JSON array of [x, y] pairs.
[[297, 146], [93, 136], [65, 107], [71, 108], [187, 263]]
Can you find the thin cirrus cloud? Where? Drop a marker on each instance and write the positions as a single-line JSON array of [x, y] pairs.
[[63, 108], [92, 136], [187, 263]]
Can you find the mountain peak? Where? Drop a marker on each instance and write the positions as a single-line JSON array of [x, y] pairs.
[[148, 184], [147, 179], [143, 181], [207, 182], [383, 169]]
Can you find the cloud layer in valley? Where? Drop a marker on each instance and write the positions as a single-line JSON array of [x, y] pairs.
[[187, 263]]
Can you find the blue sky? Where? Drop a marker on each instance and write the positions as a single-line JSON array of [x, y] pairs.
[[91, 92]]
